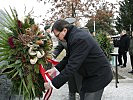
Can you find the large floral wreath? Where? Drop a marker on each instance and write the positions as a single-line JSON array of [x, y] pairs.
[[23, 46]]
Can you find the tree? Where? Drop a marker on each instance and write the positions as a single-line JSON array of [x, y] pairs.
[[71, 8], [104, 43], [124, 20], [103, 18]]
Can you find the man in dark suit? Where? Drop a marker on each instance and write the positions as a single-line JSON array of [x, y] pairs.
[[123, 48], [84, 57], [74, 82]]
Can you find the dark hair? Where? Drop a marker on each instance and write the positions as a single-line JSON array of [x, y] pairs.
[[59, 25]]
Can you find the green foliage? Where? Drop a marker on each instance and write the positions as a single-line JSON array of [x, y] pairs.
[[124, 20], [103, 21], [104, 43]]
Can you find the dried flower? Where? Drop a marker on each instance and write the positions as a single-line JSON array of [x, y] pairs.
[[34, 28], [39, 42], [10, 42], [19, 23]]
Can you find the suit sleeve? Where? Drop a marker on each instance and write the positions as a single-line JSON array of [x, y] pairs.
[[79, 51]]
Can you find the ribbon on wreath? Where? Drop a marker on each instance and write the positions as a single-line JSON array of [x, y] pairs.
[[47, 77], [52, 61]]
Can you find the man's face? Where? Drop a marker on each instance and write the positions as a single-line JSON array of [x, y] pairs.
[[122, 33], [60, 35]]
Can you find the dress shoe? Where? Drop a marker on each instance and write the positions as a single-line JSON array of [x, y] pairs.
[[119, 65], [72, 96]]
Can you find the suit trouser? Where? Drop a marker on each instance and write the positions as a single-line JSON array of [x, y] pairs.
[[124, 55], [91, 96], [74, 84]]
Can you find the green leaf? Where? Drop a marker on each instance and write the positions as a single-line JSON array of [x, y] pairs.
[[3, 65], [33, 90], [3, 37], [11, 66], [4, 49], [4, 58], [5, 21], [14, 16], [10, 18], [4, 46], [7, 72], [24, 84], [36, 68], [20, 88], [4, 25], [4, 53], [17, 61], [15, 74], [5, 33], [29, 79]]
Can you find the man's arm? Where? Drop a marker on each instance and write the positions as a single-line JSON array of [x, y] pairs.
[[79, 51]]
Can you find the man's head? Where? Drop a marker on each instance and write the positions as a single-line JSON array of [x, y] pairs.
[[60, 28], [123, 32]]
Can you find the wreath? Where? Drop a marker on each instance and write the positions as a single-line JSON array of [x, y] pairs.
[[23, 46]]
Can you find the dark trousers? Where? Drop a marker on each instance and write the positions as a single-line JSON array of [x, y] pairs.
[[131, 59], [124, 55], [91, 96], [74, 84]]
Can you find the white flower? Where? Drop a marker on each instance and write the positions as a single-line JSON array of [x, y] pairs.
[[40, 54], [34, 60], [31, 52]]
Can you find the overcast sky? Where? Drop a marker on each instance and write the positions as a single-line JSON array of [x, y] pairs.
[[39, 8]]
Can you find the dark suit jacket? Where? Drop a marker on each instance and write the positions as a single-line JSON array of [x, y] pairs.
[[86, 58], [124, 44]]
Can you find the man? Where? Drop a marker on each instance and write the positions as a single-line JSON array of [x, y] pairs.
[[84, 57], [74, 84], [123, 48]]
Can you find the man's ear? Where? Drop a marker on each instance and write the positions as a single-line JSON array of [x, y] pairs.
[[65, 30]]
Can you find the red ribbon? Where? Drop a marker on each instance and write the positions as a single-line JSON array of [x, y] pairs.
[[52, 61], [44, 74]]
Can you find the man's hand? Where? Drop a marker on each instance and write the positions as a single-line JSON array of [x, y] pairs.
[[51, 72], [47, 85]]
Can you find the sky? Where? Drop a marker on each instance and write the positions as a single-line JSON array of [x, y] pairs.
[[38, 8], [19, 5]]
